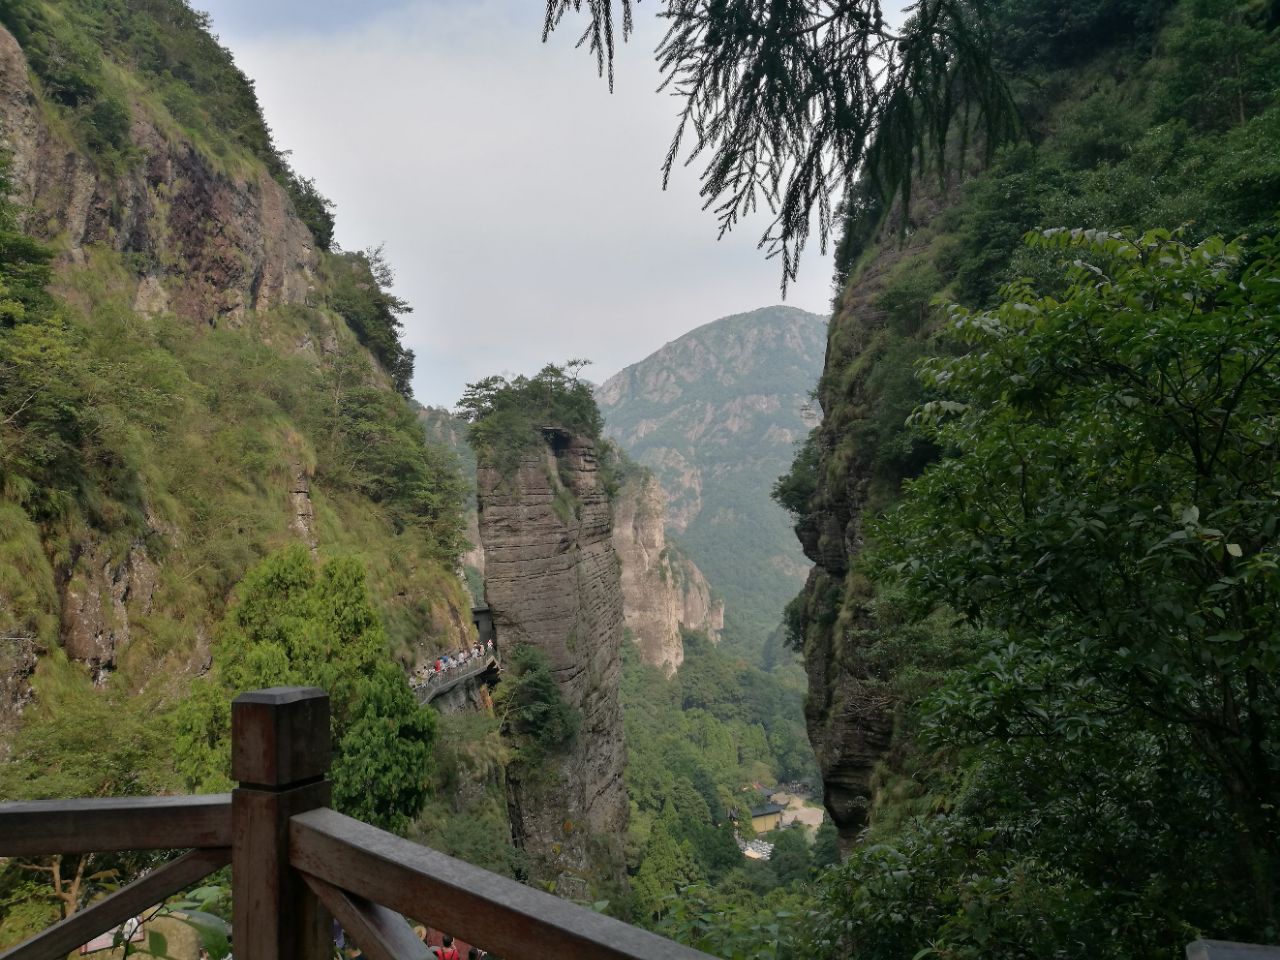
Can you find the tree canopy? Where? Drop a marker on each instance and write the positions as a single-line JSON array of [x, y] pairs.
[[297, 624], [1105, 509], [786, 105], [508, 416]]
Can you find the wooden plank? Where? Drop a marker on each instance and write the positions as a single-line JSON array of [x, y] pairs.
[[380, 933], [1229, 950], [39, 828], [108, 913], [493, 912]]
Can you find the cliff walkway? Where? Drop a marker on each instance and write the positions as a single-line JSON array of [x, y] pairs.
[[439, 683]]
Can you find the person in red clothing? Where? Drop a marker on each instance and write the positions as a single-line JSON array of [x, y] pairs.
[[447, 951]]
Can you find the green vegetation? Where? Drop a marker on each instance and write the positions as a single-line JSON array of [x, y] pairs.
[[1068, 598], [508, 417], [1106, 508], [359, 292], [786, 101], [76, 49], [148, 462], [697, 744], [466, 813], [294, 624], [535, 715]]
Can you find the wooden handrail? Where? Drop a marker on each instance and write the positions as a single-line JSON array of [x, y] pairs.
[[294, 861], [491, 911], [38, 828], [381, 932]]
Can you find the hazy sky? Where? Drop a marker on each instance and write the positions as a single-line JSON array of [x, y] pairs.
[[520, 203]]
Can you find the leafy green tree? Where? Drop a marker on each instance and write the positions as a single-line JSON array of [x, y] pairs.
[[668, 866], [294, 623], [1225, 64], [373, 444], [75, 743], [1106, 508], [508, 417], [789, 102], [826, 846], [360, 290], [791, 858]]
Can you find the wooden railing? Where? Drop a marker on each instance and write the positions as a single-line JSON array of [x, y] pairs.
[[295, 862]]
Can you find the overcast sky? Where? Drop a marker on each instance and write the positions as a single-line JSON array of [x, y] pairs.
[[520, 203]]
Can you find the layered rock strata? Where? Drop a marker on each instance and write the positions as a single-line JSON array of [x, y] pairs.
[[552, 580], [663, 592]]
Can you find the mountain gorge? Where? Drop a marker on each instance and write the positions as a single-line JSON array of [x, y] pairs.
[[717, 415]]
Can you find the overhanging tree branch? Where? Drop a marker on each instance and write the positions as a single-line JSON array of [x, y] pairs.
[[787, 102]]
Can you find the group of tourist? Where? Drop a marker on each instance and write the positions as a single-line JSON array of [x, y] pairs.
[[444, 947], [448, 662], [441, 946]]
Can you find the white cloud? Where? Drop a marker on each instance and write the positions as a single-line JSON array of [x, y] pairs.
[[519, 202]]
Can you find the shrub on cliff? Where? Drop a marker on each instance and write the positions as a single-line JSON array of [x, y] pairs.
[[360, 292], [507, 417], [534, 713]]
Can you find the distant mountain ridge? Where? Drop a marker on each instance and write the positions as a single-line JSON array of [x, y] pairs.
[[717, 415]]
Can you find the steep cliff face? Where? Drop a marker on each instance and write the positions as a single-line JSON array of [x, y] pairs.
[[199, 340], [209, 245], [717, 415], [849, 716], [1107, 93], [663, 591], [551, 578]]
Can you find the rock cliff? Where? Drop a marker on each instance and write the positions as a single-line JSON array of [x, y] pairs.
[[209, 244], [849, 717], [663, 591], [552, 580], [196, 464]]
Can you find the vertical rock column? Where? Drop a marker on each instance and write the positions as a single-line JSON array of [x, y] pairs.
[[551, 580]]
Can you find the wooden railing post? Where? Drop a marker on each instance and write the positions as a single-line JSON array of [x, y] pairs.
[[280, 757]]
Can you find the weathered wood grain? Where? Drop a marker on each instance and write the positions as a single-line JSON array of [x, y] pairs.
[[280, 750], [498, 914], [381, 933], [44, 827], [279, 736]]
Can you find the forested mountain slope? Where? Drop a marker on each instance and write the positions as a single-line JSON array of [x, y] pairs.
[[975, 733], [717, 415], [191, 380]]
